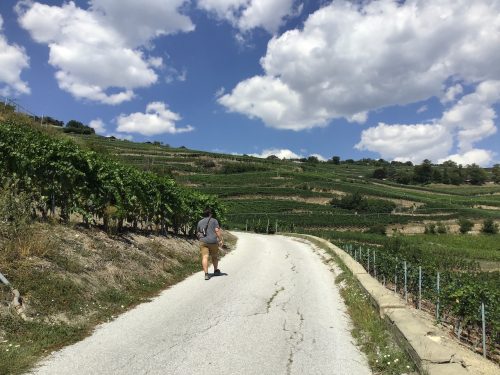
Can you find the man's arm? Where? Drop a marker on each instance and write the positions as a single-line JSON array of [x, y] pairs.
[[220, 239]]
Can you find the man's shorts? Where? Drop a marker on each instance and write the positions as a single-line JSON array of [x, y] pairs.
[[209, 248]]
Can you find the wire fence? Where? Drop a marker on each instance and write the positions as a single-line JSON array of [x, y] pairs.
[[429, 291], [16, 107]]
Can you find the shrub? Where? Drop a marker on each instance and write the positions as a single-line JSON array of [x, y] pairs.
[[441, 228], [465, 225], [489, 227], [430, 228], [376, 229]]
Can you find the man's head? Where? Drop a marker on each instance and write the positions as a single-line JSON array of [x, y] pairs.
[[207, 212]]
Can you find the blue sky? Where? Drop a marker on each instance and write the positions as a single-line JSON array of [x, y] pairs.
[[398, 80]]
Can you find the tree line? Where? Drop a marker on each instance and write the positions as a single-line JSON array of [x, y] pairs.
[[448, 172]]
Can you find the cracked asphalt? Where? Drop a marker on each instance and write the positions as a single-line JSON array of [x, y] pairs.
[[277, 311]]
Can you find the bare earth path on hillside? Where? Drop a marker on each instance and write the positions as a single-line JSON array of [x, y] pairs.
[[277, 311]]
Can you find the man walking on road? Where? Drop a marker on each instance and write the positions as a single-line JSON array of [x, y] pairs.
[[210, 235]]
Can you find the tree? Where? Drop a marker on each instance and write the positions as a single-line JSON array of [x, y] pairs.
[[423, 173], [477, 175], [437, 176], [336, 160], [489, 227], [496, 173], [380, 173], [312, 159], [74, 126], [465, 225]]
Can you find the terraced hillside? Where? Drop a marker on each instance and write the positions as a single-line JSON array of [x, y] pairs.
[[297, 195], [395, 231]]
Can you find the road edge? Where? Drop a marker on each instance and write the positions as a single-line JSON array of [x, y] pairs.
[[429, 347]]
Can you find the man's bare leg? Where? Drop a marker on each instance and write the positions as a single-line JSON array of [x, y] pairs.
[[215, 262], [204, 263]]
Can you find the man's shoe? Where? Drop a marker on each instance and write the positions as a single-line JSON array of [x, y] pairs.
[[207, 276], [217, 272]]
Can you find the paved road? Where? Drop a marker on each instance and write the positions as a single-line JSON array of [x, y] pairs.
[[277, 311]]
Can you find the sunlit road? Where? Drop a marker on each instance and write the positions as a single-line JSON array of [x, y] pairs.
[[277, 311]]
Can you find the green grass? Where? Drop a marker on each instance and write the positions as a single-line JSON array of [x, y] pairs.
[[480, 247]]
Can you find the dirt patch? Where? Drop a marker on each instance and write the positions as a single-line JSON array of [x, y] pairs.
[[487, 207], [314, 200], [452, 227]]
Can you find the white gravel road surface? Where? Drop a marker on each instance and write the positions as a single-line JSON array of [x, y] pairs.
[[277, 311]]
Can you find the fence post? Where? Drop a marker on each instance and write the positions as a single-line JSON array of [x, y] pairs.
[[383, 282], [484, 329], [437, 303], [374, 265], [406, 282], [355, 254], [276, 229], [267, 230], [368, 262], [420, 287], [246, 226], [396, 278]]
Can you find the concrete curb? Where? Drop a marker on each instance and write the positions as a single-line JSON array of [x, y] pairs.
[[431, 349]]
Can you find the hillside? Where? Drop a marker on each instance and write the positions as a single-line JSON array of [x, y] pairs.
[[297, 194], [401, 233], [393, 229]]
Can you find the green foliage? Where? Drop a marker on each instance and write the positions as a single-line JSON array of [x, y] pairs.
[[489, 227], [465, 225], [377, 229], [336, 160], [57, 175], [357, 202], [476, 175], [15, 210], [441, 228], [463, 286], [77, 127], [496, 173], [430, 228], [422, 174], [231, 168], [380, 173]]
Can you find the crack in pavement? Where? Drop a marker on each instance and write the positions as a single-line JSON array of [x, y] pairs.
[[295, 339], [275, 294]]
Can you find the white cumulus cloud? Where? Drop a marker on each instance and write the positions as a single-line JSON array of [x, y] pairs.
[[280, 153], [250, 14], [354, 57], [157, 119], [98, 126], [452, 93], [475, 156], [414, 142], [13, 60], [97, 52], [469, 121], [284, 153]]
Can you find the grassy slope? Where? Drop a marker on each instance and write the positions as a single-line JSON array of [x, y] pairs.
[[73, 279]]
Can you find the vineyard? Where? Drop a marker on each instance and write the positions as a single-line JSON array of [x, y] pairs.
[[405, 235], [448, 286], [60, 178]]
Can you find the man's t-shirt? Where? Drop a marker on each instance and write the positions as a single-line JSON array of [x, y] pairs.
[[211, 237]]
